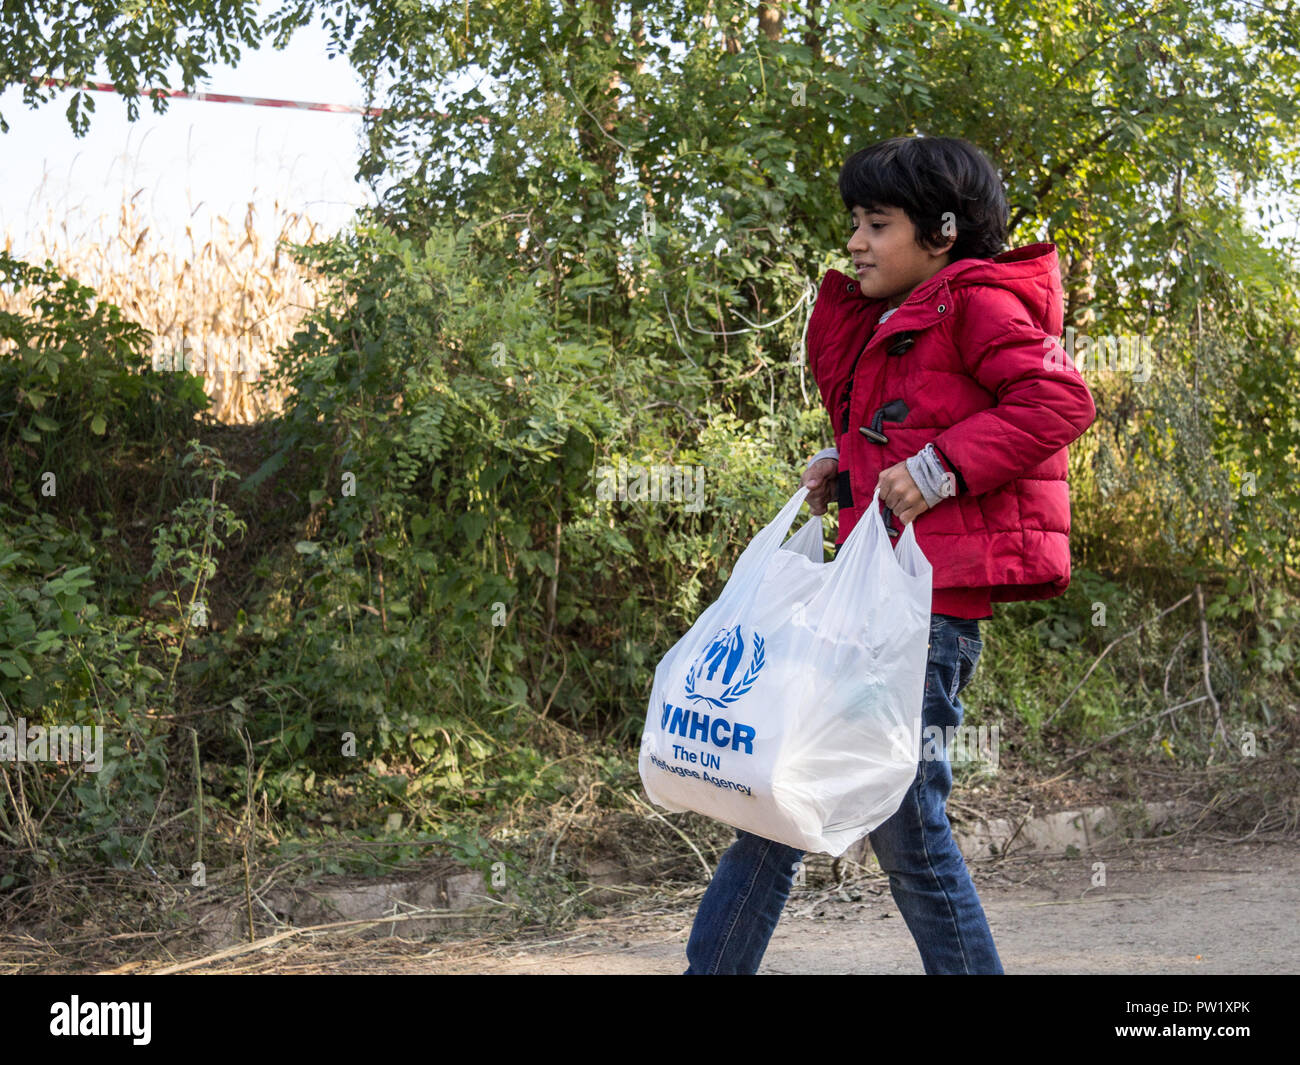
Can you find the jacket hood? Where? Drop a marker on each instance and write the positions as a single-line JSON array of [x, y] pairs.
[[1031, 273]]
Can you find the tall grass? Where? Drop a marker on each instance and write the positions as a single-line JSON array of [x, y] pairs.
[[226, 297]]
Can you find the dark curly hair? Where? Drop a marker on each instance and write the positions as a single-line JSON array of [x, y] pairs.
[[927, 177]]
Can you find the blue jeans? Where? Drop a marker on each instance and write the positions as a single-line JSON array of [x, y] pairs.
[[927, 875]]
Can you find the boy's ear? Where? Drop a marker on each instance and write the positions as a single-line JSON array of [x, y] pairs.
[[945, 247], [941, 240], [941, 247]]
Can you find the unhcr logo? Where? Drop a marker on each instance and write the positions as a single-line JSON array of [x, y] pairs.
[[715, 678]]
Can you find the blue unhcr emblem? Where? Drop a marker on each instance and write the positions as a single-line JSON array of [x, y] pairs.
[[725, 652]]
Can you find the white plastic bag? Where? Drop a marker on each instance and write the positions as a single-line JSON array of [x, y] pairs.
[[792, 707]]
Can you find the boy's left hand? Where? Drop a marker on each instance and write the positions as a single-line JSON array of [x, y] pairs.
[[899, 493]]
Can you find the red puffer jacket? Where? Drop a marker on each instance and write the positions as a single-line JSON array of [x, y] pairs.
[[965, 355]]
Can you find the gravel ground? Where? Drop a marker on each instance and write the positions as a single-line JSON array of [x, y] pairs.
[[1210, 908]]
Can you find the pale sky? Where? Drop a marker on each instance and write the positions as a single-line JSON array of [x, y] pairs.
[[199, 155], [202, 158]]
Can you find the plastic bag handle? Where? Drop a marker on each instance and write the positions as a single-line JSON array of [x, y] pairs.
[[871, 518], [746, 575], [808, 541], [852, 555], [768, 542]]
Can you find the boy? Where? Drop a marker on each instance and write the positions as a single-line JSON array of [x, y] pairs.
[[939, 367]]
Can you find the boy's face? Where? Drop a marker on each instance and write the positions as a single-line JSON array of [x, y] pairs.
[[886, 258]]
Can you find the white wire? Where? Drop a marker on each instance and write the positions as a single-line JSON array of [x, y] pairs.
[[809, 292], [753, 325]]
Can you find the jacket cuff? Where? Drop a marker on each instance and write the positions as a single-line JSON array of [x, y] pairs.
[[824, 453], [936, 483]]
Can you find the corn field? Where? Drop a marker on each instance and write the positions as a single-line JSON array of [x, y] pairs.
[[219, 308]]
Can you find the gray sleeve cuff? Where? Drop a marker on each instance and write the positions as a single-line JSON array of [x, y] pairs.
[[824, 453], [936, 483]]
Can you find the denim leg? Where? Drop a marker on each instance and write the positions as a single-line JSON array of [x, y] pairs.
[[927, 875], [741, 907]]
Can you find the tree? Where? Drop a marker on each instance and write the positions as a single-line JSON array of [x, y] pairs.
[[660, 178], [142, 44], [670, 181]]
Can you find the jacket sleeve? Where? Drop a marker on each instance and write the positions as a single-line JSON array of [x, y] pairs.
[[827, 367], [1041, 403]]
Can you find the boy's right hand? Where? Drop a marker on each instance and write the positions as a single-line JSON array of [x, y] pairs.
[[820, 480]]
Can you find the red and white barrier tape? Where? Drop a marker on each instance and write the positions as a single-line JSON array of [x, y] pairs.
[[221, 98]]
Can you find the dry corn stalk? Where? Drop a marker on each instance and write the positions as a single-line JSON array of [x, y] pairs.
[[228, 303]]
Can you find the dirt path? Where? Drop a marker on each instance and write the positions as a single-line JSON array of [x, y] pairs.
[[1234, 906]]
